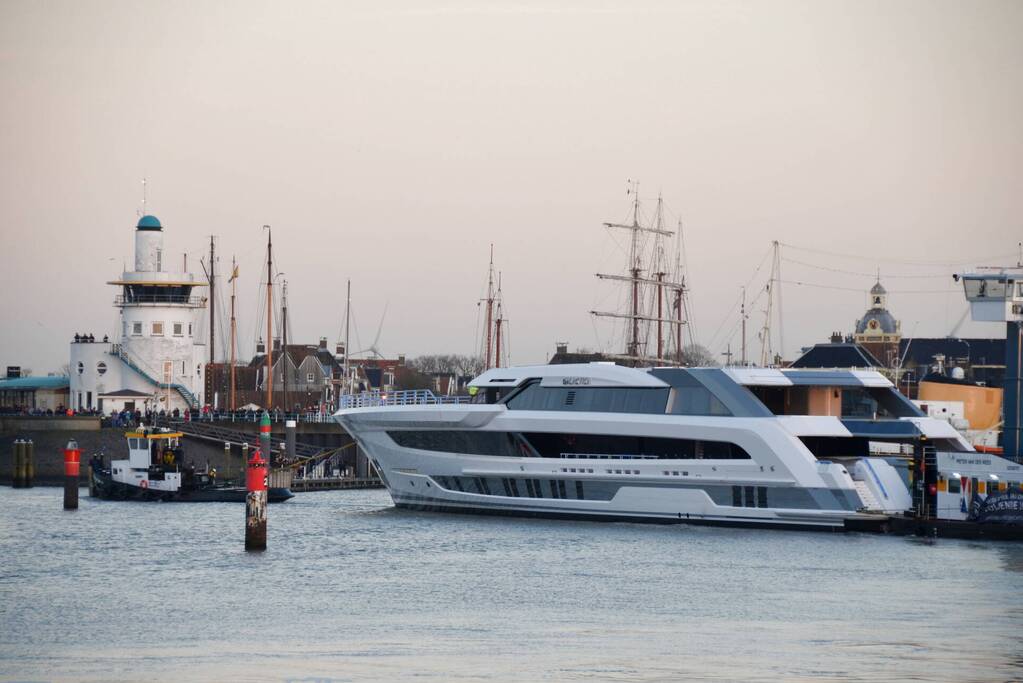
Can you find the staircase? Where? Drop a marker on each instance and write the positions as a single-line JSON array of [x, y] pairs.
[[118, 351], [867, 496]]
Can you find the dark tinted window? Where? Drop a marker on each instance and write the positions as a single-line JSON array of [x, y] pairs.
[[591, 399], [466, 442], [549, 445], [692, 398]]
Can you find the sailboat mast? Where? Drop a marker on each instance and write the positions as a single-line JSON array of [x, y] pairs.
[[284, 342], [660, 314], [234, 331], [268, 379], [497, 325], [213, 301], [348, 321], [635, 264], [742, 314], [490, 310]]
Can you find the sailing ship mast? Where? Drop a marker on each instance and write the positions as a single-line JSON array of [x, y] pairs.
[[348, 321], [499, 319], [635, 347], [268, 379], [213, 299], [234, 331], [490, 311], [284, 341]]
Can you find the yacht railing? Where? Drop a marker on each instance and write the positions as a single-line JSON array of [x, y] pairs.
[[605, 456], [407, 397]]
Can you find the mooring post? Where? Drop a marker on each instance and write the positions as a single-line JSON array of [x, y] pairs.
[[289, 439], [72, 462], [30, 463], [227, 459], [18, 469], [264, 437], [255, 503]]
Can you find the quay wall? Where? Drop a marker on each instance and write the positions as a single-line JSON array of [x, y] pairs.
[[50, 436], [50, 443]]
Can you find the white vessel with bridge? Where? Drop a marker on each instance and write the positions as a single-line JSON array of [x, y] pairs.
[[738, 446]]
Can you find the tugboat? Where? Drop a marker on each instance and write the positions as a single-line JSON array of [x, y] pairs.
[[155, 470]]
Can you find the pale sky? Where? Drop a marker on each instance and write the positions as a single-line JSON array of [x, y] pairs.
[[391, 143]]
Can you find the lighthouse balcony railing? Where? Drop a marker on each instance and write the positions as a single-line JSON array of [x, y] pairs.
[[189, 301]]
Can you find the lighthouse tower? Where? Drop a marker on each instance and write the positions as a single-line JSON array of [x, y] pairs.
[[155, 362]]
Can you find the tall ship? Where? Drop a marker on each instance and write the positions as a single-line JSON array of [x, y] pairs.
[[732, 446]]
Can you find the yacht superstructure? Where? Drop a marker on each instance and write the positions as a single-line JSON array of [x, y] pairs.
[[740, 446]]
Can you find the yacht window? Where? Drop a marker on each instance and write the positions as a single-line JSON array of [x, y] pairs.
[[579, 490], [590, 399], [554, 445], [503, 444]]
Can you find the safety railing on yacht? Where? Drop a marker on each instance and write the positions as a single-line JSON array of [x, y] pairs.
[[408, 397]]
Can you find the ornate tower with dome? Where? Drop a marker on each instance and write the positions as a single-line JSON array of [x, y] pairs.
[[878, 331]]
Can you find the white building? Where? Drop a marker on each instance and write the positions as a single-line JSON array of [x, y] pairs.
[[156, 362]]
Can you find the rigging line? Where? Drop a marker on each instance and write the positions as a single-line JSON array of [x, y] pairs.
[[874, 259], [738, 297], [861, 290], [944, 275]]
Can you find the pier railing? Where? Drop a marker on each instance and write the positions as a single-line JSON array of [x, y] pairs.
[[409, 397]]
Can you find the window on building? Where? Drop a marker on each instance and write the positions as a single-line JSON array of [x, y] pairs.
[[157, 329], [310, 377], [81, 367], [101, 368], [189, 329], [136, 329], [179, 330], [159, 260], [183, 371]]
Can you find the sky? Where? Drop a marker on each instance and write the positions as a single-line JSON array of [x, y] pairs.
[[393, 143]]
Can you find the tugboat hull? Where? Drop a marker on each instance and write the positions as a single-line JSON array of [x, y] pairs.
[[102, 486]]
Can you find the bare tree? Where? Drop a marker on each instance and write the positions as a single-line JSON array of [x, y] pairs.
[[697, 355]]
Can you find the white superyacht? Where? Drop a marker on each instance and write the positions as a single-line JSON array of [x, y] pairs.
[[733, 446]]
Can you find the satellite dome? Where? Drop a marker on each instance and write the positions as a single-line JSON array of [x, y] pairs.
[[148, 222]]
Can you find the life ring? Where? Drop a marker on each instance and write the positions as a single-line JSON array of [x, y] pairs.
[[145, 483]]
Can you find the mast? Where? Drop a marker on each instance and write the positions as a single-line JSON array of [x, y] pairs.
[[284, 342], [635, 278], [742, 314], [234, 331], [490, 310], [660, 310], [497, 324], [269, 319], [348, 320], [765, 334], [213, 300]]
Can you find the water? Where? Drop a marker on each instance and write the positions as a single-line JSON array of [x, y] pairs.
[[354, 589]]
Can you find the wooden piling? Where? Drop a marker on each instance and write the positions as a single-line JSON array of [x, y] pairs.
[[255, 503], [30, 463], [18, 468], [72, 463]]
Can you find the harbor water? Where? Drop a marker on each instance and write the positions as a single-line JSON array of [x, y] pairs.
[[353, 589]]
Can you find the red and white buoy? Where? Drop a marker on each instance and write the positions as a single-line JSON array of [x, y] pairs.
[[72, 463], [255, 503]]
